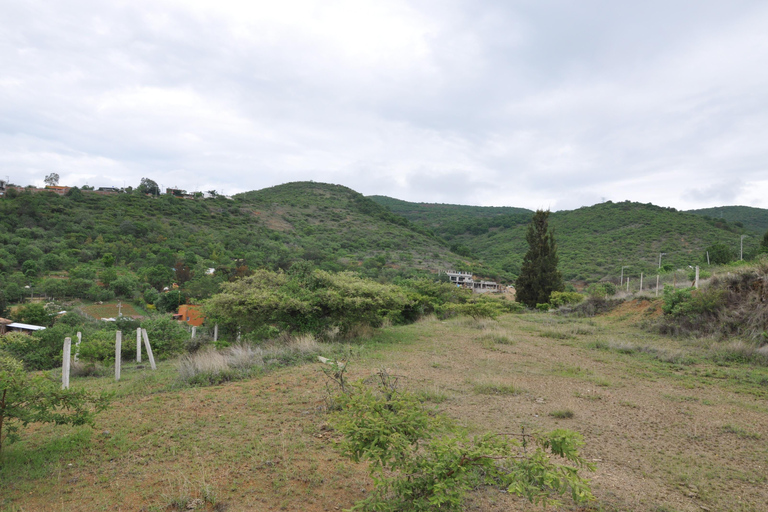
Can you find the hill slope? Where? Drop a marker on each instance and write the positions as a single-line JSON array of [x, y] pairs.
[[333, 226], [752, 219], [594, 242]]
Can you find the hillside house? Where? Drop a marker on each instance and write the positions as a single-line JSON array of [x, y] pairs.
[[467, 280], [25, 328], [191, 314]]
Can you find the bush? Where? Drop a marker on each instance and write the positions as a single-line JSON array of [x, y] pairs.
[[558, 299], [167, 336], [420, 461], [41, 350]]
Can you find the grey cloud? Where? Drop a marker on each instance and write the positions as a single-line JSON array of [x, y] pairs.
[[532, 104]]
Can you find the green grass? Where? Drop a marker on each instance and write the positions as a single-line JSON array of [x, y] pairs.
[[562, 414], [489, 388]]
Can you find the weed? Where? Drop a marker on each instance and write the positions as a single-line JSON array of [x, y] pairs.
[[562, 414], [488, 388], [557, 335], [740, 432]]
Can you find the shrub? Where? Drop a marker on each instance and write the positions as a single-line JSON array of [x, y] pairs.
[[41, 350], [167, 336], [37, 399], [420, 461], [558, 299]]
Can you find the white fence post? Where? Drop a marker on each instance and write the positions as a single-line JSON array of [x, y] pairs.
[[149, 349], [138, 345], [216, 332], [118, 353], [77, 346], [194, 331], [65, 363], [696, 281]]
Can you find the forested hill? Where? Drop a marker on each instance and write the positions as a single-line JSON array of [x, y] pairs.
[[752, 219], [44, 234], [448, 220], [594, 242]]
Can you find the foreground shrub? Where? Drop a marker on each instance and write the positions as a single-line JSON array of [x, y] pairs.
[[26, 399], [420, 461]]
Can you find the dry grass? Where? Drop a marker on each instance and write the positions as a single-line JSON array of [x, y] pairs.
[[664, 436]]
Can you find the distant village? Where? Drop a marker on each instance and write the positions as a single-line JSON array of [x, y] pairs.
[[104, 191]]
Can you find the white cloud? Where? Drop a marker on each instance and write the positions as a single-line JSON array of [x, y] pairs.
[[545, 104]]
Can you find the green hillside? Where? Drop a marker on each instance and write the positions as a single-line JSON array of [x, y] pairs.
[[449, 220], [594, 242], [752, 219], [95, 246]]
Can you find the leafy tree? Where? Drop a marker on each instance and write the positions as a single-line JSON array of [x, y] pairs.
[[305, 301], [52, 179], [719, 254], [108, 260], [539, 276], [26, 399], [170, 301], [158, 276], [764, 244], [108, 276], [148, 186], [13, 292], [33, 313], [3, 303]]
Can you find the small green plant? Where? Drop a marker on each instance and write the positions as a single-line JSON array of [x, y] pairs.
[[488, 388], [740, 432], [562, 414], [26, 399], [420, 461]]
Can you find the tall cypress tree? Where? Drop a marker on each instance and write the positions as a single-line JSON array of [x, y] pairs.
[[539, 276]]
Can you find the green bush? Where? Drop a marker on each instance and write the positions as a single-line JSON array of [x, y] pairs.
[[305, 300], [41, 350], [558, 299], [692, 303], [420, 461], [167, 336]]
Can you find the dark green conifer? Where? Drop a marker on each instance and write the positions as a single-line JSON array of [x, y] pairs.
[[539, 276]]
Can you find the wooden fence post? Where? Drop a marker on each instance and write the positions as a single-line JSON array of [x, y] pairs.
[[696, 281], [149, 349], [65, 363], [194, 331], [657, 285], [216, 332], [118, 353]]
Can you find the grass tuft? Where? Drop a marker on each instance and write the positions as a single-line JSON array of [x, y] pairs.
[[563, 414], [488, 388]]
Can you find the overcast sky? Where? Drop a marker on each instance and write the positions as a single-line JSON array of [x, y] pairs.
[[529, 103]]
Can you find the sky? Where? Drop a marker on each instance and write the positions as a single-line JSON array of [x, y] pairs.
[[530, 103]]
